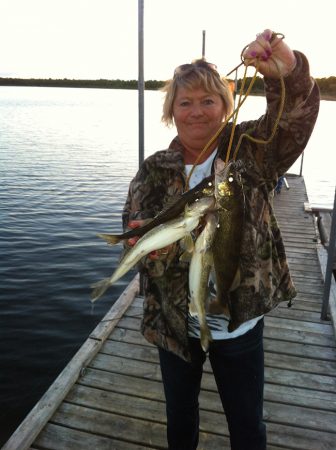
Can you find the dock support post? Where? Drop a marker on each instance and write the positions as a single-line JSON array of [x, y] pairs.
[[141, 81], [141, 92], [203, 44], [330, 262]]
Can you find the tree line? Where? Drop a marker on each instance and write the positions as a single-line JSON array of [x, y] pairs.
[[65, 82], [327, 85]]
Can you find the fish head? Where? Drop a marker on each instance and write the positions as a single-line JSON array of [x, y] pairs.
[[200, 206], [208, 190], [228, 183]]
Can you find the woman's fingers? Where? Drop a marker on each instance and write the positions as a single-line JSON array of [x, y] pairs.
[[270, 54]]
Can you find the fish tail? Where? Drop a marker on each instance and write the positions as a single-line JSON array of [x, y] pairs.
[[100, 288], [110, 238], [206, 337]]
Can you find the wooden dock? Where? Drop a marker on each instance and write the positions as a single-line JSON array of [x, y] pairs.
[[110, 395]]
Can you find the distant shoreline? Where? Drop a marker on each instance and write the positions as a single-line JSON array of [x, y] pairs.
[[327, 85], [328, 97]]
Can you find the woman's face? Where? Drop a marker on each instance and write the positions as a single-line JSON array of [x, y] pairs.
[[197, 115]]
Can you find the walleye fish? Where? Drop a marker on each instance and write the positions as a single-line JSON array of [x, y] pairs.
[[159, 237], [230, 205], [204, 189], [199, 271]]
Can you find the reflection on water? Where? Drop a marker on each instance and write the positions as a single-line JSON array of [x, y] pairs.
[[66, 158]]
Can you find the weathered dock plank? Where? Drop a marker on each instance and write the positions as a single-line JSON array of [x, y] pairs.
[[117, 401]]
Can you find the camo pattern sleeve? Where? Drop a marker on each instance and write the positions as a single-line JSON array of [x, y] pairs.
[[148, 193], [265, 279], [302, 100]]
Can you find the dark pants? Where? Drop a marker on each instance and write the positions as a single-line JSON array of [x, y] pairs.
[[238, 367]]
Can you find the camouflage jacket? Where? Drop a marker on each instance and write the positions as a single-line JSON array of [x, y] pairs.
[[265, 278]]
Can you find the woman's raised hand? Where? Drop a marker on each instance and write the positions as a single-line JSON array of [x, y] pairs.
[[270, 54]]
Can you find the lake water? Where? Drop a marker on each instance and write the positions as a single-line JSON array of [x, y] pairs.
[[66, 158]]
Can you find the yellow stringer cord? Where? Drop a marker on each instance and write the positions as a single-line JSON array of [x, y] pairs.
[[226, 121], [240, 102], [277, 120], [235, 116]]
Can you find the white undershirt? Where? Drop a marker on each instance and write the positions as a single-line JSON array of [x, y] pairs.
[[218, 323], [201, 170]]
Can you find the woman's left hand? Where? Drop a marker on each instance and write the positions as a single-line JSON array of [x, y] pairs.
[[160, 254], [270, 54]]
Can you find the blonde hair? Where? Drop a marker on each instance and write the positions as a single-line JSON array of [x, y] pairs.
[[198, 74]]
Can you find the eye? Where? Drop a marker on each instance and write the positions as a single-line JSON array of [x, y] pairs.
[[184, 103], [208, 101]]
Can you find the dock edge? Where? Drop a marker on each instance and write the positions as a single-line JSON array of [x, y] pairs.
[[31, 426]]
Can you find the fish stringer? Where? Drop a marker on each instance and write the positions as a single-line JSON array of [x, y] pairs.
[[234, 115]]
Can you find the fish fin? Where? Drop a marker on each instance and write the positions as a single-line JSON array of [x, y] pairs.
[[99, 289], [187, 209], [110, 238], [188, 246], [206, 337], [236, 281], [185, 257], [188, 243], [212, 276]]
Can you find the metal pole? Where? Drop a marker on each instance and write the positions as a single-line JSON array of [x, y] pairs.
[[203, 45], [330, 263], [141, 81], [301, 165], [141, 99]]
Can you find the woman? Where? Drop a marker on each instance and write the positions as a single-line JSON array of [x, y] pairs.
[[197, 101]]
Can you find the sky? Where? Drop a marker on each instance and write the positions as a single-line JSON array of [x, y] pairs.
[[95, 39]]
